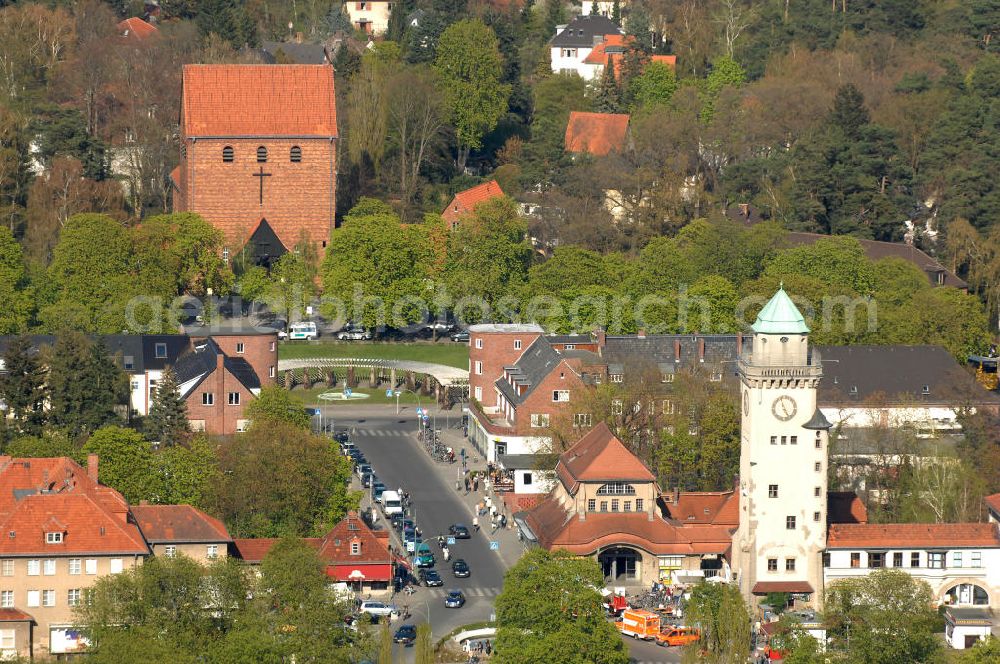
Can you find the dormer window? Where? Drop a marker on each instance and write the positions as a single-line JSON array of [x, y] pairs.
[[925, 390], [854, 389], [53, 538]]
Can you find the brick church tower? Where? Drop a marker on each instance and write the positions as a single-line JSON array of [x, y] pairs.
[[258, 155]]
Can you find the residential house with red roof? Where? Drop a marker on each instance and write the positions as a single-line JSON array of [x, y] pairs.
[[353, 553], [258, 155], [172, 530], [573, 43], [614, 49], [466, 201], [597, 134], [136, 28]]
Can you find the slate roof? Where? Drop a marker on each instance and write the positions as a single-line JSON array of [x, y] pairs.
[[668, 351], [876, 250], [467, 200], [569, 338], [912, 535], [600, 457], [580, 32], [854, 374], [178, 523], [259, 100], [300, 54], [530, 369], [201, 362], [596, 133], [142, 350]]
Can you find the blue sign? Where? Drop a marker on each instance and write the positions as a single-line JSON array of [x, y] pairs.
[[388, 394], [347, 391], [420, 411], [494, 545], [451, 541], [426, 418]]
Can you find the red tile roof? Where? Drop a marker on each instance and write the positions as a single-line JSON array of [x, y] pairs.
[[596, 133], [254, 550], [720, 508], [599, 54], [555, 527], [136, 28], [911, 535], [336, 545], [600, 457], [259, 100], [178, 523], [37, 495], [845, 507], [993, 502], [466, 201], [765, 587], [13, 615]]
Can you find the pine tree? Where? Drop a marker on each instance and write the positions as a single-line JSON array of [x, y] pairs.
[[22, 387], [85, 386], [616, 13], [608, 96], [167, 422]]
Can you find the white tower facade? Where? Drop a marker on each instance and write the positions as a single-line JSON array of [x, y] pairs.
[[783, 459]]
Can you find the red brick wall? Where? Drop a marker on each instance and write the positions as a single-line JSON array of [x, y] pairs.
[[220, 418], [298, 197], [540, 399], [497, 352], [260, 350]]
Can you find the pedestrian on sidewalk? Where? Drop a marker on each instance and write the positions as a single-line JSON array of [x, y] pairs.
[[475, 482], [503, 521], [475, 523], [466, 485]]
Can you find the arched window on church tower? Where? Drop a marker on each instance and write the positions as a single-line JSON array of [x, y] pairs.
[[227, 153], [261, 154], [295, 155]]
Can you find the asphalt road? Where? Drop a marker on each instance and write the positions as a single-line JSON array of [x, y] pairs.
[[388, 442]]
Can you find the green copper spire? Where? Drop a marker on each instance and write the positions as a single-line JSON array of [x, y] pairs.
[[780, 316]]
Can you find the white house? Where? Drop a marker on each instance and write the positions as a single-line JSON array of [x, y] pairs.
[[369, 16], [601, 7], [960, 561], [574, 42]]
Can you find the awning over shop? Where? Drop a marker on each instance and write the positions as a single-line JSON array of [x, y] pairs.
[[765, 587], [361, 572]]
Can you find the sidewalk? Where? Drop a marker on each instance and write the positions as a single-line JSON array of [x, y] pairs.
[[511, 548]]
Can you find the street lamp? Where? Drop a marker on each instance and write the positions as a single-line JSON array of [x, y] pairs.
[[399, 392]]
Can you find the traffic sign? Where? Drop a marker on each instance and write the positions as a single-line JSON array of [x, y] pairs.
[[347, 391], [494, 545], [388, 394], [420, 411], [451, 541], [426, 418]]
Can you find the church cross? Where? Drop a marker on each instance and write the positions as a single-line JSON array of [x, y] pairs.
[[261, 175]]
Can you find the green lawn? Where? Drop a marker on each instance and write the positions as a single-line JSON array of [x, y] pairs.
[[443, 352]]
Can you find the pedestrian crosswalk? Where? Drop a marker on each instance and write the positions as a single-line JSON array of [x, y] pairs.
[[381, 433], [469, 592]]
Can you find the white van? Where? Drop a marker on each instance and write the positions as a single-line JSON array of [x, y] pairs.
[[303, 330], [392, 503]]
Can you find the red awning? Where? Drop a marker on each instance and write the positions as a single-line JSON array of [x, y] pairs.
[[765, 587], [360, 572]]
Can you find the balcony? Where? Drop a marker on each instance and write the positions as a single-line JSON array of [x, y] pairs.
[[814, 369]]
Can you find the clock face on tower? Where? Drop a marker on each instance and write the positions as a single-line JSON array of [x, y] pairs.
[[746, 402], [784, 408]]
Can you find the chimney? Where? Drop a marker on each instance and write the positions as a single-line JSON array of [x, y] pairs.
[[677, 495], [92, 466], [739, 345], [677, 350], [701, 350], [601, 336]]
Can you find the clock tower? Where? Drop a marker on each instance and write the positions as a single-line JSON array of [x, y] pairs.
[[783, 459]]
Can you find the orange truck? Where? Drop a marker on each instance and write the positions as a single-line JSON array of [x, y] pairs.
[[678, 636], [639, 624]]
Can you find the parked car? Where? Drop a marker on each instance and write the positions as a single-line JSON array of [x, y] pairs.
[[678, 636], [455, 599], [406, 634], [346, 446], [352, 333], [363, 468], [378, 488], [341, 437], [373, 608], [396, 520], [460, 569], [461, 336], [367, 479], [305, 330], [430, 578], [458, 531]]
